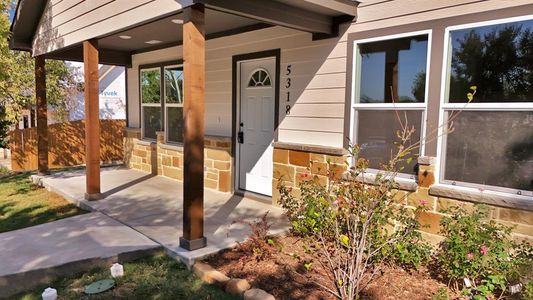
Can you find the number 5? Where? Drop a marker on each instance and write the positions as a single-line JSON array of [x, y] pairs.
[[289, 70]]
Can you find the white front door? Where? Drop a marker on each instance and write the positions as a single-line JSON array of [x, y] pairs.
[[255, 125]]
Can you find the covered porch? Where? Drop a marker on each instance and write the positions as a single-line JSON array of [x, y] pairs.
[[176, 214], [153, 206]]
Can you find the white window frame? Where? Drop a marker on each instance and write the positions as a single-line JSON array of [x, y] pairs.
[[167, 105], [444, 107], [259, 86], [143, 105], [355, 107]]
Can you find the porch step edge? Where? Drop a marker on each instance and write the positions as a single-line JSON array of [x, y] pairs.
[[79, 202]]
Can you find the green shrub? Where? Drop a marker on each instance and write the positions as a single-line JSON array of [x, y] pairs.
[[259, 245], [360, 225], [413, 251], [479, 250], [527, 293]]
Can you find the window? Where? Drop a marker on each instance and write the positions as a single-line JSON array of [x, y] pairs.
[[174, 103], [389, 85], [151, 102], [164, 82], [260, 78], [491, 145]]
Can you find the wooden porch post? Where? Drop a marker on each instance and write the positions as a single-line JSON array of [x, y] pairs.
[[193, 114], [42, 118], [92, 120]]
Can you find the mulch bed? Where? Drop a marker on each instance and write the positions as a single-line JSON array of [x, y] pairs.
[[283, 274]]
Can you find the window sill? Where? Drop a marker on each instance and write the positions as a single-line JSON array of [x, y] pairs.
[[146, 142], [311, 148], [403, 183], [485, 197], [173, 147]]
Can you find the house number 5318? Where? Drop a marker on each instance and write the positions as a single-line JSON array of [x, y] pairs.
[[288, 86]]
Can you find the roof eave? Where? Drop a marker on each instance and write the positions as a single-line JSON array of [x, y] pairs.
[[25, 21]]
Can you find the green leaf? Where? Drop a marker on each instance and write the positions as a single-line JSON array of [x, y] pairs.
[[344, 240], [308, 266], [470, 96], [473, 88]]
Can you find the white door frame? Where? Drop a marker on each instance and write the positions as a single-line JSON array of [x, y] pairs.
[[236, 86]]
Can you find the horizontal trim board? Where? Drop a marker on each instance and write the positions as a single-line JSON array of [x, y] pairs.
[[310, 148], [486, 197]]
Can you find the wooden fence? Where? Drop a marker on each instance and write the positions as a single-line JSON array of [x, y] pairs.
[[66, 144]]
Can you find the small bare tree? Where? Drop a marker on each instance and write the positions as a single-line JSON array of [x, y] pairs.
[[358, 219]]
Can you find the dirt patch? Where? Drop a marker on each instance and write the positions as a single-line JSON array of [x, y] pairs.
[[294, 272]]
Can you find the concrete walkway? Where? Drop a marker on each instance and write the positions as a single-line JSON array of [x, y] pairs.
[[37, 254], [152, 205]]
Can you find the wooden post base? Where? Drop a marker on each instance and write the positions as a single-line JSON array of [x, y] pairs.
[[194, 244], [94, 197]]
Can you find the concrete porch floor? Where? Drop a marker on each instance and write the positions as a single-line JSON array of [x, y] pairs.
[[152, 205]]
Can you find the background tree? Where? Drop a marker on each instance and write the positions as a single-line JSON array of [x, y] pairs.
[[17, 83], [498, 61]]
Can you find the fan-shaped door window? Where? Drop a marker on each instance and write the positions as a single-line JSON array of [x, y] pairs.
[[259, 78]]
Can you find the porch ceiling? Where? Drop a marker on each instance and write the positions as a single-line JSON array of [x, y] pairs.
[[223, 17], [157, 34], [167, 32]]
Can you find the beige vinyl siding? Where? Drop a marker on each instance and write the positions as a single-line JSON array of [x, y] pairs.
[[70, 22], [376, 14], [319, 75], [133, 96], [318, 83], [60, 7]]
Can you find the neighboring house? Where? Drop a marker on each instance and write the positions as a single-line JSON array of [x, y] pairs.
[[287, 82], [112, 94], [112, 100]]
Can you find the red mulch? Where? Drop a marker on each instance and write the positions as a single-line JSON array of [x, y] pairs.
[[283, 275]]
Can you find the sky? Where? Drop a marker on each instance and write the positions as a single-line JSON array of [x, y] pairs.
[[11, 13]]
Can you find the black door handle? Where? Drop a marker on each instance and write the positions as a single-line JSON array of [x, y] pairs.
[[240, 137]]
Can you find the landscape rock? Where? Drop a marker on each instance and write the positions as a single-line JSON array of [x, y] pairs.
[[257, 294], [237, 286], [209, 275]]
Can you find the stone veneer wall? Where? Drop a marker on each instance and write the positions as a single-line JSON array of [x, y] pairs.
[[290, 165], [159, 158]]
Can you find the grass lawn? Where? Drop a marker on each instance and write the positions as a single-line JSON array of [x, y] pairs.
[[159, 277], [23, 204]]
